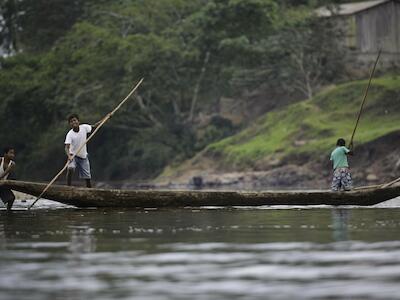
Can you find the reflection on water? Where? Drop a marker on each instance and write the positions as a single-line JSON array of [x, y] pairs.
[[82, 240], [2, 237], [340, 218], [320, 253]]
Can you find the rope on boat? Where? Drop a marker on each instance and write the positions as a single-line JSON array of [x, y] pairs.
[[104, 120]]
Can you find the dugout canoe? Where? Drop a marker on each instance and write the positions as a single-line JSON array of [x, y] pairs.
[[84, 197]]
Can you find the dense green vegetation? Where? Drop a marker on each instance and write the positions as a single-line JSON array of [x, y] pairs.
[[85, 56], [313, 126]]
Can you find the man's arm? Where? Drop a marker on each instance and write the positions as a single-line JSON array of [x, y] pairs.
[[95, 125], [69, 155], [351, 148], [8, 170]]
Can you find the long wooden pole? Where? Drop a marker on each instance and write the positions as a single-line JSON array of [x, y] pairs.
[[385, 185], [104, 120], [365, 97]]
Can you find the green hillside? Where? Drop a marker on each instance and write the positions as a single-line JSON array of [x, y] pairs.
[[316, 124], [310, 127]]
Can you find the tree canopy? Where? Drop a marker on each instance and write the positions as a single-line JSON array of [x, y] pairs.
[[84, 56]]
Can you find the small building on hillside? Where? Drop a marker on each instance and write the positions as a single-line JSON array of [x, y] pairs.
[[368, 26]]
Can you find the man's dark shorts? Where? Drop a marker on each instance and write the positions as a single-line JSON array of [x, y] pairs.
[[83, 166], [7, 196]]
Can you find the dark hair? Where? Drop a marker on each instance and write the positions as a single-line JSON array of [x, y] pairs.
[[7, 149], [341, 142], [70, 117]]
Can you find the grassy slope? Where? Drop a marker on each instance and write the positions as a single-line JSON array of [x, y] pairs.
[[308, 127]]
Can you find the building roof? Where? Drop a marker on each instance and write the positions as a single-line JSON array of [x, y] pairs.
[[348, 8]]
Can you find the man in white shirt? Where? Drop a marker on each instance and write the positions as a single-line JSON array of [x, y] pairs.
[[75, 138]]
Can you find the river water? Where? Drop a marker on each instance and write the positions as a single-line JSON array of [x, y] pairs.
[[59, 252]]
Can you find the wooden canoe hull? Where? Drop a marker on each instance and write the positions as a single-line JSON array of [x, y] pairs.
[[84, 197]]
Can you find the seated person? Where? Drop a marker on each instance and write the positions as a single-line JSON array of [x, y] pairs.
[[7, 164]]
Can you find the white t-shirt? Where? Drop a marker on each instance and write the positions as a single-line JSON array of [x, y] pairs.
[[76, 139], [2, 171]]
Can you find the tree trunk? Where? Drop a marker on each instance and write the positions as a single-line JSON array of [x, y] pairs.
[[197, 87]]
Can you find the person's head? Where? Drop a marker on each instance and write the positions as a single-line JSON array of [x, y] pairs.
[[340, 142], [73, 121], [9, 152]]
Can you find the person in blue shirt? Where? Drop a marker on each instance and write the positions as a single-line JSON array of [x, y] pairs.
[[341, 173]]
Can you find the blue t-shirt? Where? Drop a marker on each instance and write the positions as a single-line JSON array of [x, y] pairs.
[[339, 157]]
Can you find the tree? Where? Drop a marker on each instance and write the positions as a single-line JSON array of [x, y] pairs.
[[8, 26], [226, 36], [313, 55], [191, 53], [302, 55], [35, 25]]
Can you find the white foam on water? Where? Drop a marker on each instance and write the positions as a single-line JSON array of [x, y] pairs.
[[48, 204]]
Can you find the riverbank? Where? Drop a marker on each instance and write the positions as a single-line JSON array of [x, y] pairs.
[[374, 162], [290, 147]]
